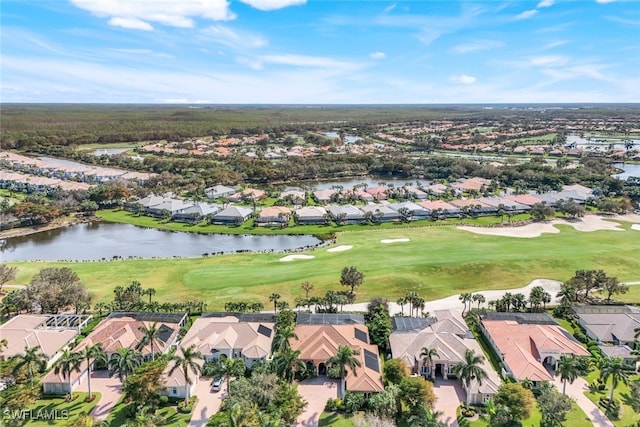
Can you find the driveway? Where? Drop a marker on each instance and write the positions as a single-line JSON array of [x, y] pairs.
[[316, 391], [449, 393], [208, 402], [576, 391], [110, 388]]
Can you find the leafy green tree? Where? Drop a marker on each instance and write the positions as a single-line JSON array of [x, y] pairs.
[[68, 363], [54, 289], [287, 363], [33, 360], [380, 326], [426, 417], [385, 403], [427, 355], [416, 392], [92, 354], [613, 367], [553, 406], [187, 360], [395, 370], [470, 369], [146, 383], [281, 341], [307, 287], [351, 278], [345, 359], [517, 400], [7, 273], [123, 362]]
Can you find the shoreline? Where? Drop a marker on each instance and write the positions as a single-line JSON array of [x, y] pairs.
[[58, 223]]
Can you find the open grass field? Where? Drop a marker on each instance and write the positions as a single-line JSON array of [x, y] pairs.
[[436, 262], [51, 410], [621, 394]]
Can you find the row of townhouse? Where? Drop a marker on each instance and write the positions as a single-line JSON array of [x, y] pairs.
[[24, 183]]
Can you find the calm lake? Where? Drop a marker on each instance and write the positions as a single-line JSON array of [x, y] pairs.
[[101, 240]]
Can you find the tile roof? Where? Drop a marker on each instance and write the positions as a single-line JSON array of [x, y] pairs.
[[29, 330]]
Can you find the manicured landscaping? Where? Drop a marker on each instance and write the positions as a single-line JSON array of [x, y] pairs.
[[173, 418], [334, 420], [436, 262], [575, 418], [627, 414], [50, 410]]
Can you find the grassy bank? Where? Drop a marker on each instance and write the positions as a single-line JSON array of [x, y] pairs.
[[437, 262]]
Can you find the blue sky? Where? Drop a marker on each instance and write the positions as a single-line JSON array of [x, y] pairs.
[[319, 51]]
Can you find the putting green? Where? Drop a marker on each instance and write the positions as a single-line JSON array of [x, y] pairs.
[[436, 262]]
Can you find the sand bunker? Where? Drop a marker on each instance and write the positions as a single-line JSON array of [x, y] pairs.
[[394, 240], [590, 223], [294, 257], [635, 227], [340, 248], [526, 231]]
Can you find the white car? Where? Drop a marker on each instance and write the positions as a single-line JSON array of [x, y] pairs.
[[217, 384]]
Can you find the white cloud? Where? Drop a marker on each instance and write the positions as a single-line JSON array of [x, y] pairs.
[[526, 14], [549, 61], [478, 45], [139, 14], [552, 45], [464, 79], [130, 23], [307, 61], [545, 3], [377, 55], [225, 36], [272, 4], [605, 1], [390, 7], [254, 64]]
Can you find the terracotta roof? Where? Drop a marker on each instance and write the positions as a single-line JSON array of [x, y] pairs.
[[438, 204], [525, 199], [320, 342]]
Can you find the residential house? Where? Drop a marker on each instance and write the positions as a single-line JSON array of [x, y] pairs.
[[120, 330], [529, 345], [197, 212], [524, 199], [471, 184], [381, 213], [609, 324], [345, 214], [440, 207], [324, 196], [412, 211], [168, 208], [379, 192], [217, 335], [218, 191], [274, 215], [474, 206], [448, 334], [416, 193], [247, 194], [311, 215], [319, 337], [436, 189], [504, 203], [295, 195], [232, 215]]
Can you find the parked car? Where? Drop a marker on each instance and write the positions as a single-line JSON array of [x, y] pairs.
[[217, 384]]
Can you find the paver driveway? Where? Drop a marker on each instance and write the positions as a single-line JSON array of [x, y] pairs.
[[576, 391], [109, 387], [316, 391], [208, 402], [449, 394]]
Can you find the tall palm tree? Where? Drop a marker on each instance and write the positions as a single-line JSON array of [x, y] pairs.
[[187, 359], [150, 334], [479, 298], [428, 354], [613, 367], [345, 358], [33, 359], [228, 367], [465, 298], [274, 297], [567, 370], [68, 363], [123, 362], [281, 340], [401, 302], [470, 369], [150, 292], [92, 354], [286, 363]]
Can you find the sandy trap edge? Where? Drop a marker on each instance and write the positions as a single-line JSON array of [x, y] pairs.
[[294, 257], [340, 248], [395, 240]]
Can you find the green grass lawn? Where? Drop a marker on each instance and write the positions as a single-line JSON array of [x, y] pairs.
[[575, 418], [437, 262], [117, 417], [621, 394], [334, 420], [55, 411]]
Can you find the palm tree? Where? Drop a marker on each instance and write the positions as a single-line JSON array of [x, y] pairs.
[[425, 417], [465, 298], [410, 298], [613, 367], [91, 354], [428, 354], [186, 359], [286, 363], [150, 334], [307, 287], [281, 340], [68, 363], [228, 367], [32, 358], [124, 362], [470, 369], [151, 292], [345, 358], [274, 297], [401, 302], [479, 298], [567, 370]]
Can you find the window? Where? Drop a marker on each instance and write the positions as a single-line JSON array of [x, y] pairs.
[[174, 391], [486, 398]]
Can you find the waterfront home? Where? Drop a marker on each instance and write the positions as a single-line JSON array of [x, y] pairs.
[[529, 345], [167, 208], [379, 192], [416, 193], [439, 207], [294, 195], [197, 212], [345, 214], [471, 184], [448, 334], [232, 215], [380, 213], [324, 196], [219, 335], [436, 189], [504, 203], [251, 194], [218, 191], [474, 206], [120, 330], [412, 211], [318, 337], [311, 215], [274, 215]]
